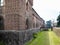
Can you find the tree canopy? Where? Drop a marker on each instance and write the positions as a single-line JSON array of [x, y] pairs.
[[58, 21]]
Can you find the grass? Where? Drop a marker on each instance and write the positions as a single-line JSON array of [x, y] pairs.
[[42, 39], [54, 38], [45, 38]]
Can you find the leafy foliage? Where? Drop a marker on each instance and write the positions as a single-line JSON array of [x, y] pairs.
[[58, 21], [34, 35], [1, 43], [48, 24]]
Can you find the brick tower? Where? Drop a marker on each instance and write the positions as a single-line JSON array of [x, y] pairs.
[[14, 14]]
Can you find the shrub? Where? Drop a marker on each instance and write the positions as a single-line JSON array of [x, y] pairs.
[[34, 35], [1, 43]]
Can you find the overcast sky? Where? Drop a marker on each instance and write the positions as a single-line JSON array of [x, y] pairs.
[[47, 9]]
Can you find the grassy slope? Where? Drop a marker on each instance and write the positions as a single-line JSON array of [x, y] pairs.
[[42, 39], [54, 38], [45, 38]]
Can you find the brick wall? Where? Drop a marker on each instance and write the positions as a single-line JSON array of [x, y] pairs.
[[14, 11]]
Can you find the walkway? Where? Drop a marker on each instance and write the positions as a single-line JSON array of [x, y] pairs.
[[45, 38]]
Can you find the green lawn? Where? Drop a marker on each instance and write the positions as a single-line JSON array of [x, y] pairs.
[[45, 38], [54, 39]]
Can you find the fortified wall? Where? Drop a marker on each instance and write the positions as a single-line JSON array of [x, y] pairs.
[[18, 21], [19, 15]]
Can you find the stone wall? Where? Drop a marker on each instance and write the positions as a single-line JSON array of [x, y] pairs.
[[57, 30], [13, 37]]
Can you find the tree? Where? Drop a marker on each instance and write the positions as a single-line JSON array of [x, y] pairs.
[[48, 24], [58, 21]]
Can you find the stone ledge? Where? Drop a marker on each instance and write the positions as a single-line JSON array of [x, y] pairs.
[[13, 37]]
